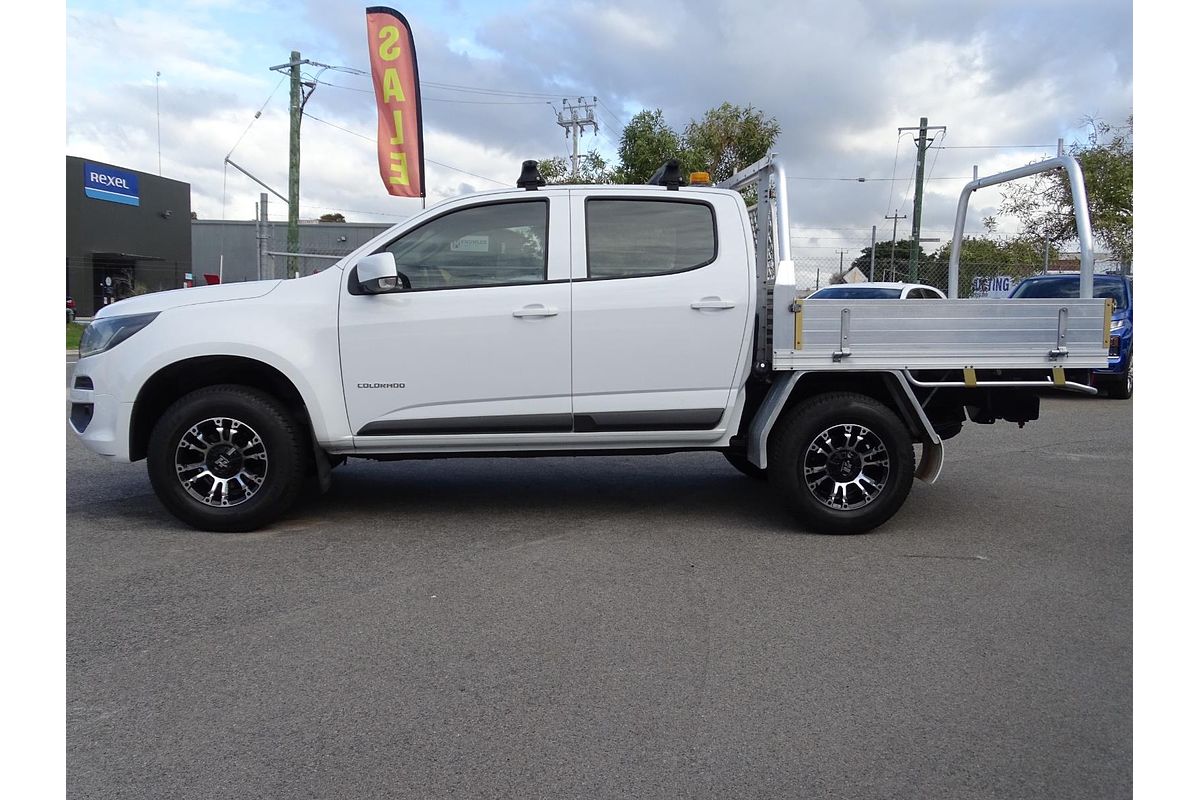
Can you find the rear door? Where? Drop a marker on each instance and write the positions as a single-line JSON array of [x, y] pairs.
[[661, 309], [478, 343]]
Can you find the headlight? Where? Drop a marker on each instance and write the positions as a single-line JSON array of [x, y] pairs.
[[107, 333], [1117, 324]]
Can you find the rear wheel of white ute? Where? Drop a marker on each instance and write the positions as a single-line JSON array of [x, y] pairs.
[[227, 458], [842, 461]]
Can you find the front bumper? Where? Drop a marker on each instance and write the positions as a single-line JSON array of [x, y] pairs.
[[100, 420]]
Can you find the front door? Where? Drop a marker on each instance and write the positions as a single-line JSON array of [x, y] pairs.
[[477, 341]]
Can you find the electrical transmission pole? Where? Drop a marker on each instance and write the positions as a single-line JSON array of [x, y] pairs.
[[576, 118], [895, 217], [300, 92], [923, 142]]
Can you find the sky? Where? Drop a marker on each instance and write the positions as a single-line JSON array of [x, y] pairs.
[[840, 78]]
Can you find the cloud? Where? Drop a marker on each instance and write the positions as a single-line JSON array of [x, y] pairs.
[[840, 78]]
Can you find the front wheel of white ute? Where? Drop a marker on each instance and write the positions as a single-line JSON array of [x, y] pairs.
[[843, 462], [226, 458]]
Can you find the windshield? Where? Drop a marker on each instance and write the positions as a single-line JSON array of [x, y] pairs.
[[855, 293], [1069, 287]]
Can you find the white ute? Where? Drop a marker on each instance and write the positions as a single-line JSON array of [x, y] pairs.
[[571, 320]]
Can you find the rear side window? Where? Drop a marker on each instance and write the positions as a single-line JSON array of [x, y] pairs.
[[636, 238]]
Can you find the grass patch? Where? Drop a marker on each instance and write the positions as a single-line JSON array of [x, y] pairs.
[[74, 331]]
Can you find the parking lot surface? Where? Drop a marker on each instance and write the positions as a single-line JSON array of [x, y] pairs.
[[614, 627]]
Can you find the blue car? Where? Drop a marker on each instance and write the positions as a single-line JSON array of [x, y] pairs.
[[1117, 379]]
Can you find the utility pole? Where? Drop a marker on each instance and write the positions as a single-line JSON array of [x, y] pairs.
[[872, 253], [576, 118], [923, 142], [263, 234], [841, 261], [296, 108], [158, 121], [298, 98], [895, 217]]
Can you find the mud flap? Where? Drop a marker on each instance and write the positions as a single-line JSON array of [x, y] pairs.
[[930, 465], [322, 467]]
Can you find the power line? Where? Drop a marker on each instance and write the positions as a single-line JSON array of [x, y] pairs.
[[933, 166], [484, 102], [427, 158], [871, 180], [895, 161], [357, 211], [458, 87], [611, 116], [992, 146], [484, 90], [441, 99], [257, 114]]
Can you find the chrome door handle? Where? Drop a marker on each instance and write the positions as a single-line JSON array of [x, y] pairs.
[[536, 311], [713, 302]]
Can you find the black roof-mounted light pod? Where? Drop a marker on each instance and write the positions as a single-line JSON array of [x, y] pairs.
[[530, 178], [667, 175]]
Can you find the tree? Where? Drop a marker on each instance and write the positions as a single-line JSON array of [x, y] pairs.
[[1043, 205], [646, 143], [724, 140], [988, 258], [885, 269], [592, 169], [727, 139], [337, 216]]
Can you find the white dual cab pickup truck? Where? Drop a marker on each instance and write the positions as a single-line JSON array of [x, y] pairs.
[[566, 320]]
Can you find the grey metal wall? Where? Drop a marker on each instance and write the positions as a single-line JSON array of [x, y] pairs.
[[211, 238]]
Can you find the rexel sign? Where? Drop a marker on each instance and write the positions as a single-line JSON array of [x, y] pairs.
[[111, 184]]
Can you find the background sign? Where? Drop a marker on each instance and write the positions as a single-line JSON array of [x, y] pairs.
[[998, 286], [111, 184]]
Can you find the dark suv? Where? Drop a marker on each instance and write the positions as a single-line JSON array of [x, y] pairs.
[[1117, 378]]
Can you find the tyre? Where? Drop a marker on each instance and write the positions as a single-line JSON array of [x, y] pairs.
[[843, 462], [227, 458], [743, 465]]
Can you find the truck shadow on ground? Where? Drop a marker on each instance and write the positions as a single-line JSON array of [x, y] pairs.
[[577, 489]]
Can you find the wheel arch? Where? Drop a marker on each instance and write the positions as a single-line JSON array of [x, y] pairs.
[[887, 387], [175, 380]]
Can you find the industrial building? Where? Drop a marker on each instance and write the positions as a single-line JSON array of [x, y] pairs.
[[127, 232], [131, 232]]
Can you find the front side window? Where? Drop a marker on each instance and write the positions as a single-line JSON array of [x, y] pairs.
[[501, 243], [636, 238]]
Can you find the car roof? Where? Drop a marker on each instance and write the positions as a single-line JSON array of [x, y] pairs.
[[1069, 275], [877, 285]]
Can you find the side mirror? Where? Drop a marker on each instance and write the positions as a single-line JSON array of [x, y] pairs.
[[377, 273]]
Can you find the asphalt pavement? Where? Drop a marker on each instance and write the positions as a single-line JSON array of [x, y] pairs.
[[614, 627]]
